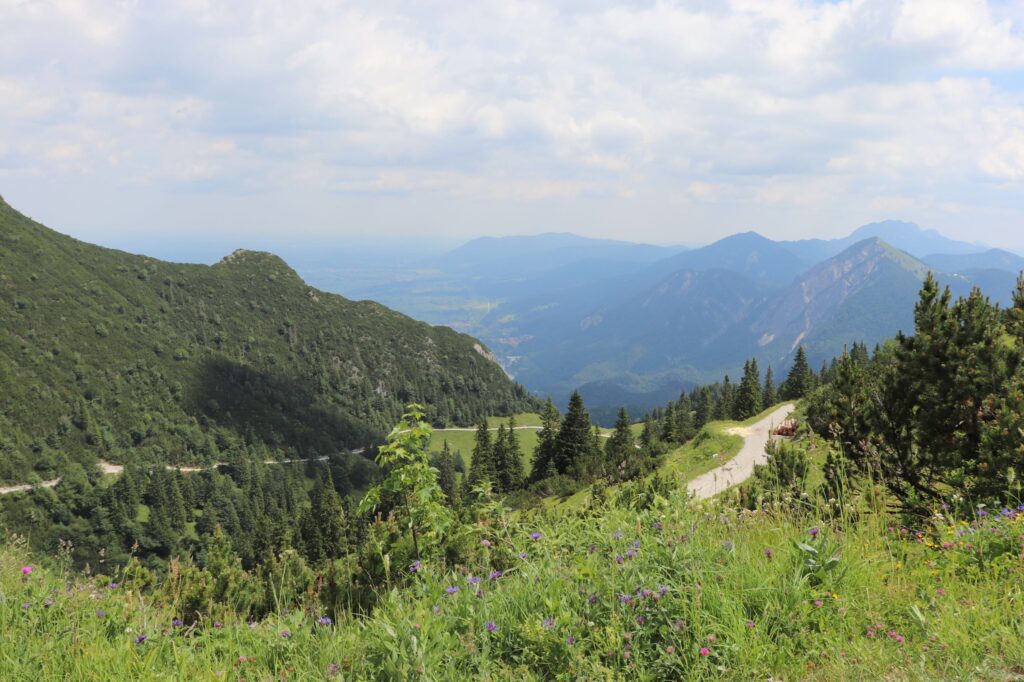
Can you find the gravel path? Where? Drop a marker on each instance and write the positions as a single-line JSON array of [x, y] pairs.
[[740, 467]]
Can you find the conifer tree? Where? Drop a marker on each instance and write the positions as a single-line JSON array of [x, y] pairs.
[[724, 407], [800, 379], [769, 396], [705, 410], [574, 443], [446, 474], [510, 464], [647, 434], [748, 397], [543, 462], [684, 419], [482, 467], [619, 449], [668, 424]]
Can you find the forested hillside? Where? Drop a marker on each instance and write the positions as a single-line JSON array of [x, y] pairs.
[[109, 355]]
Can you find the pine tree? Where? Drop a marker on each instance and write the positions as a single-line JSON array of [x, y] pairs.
[[482, 467], [769, 396], [668, 424], [705, 410], [619, 449], [684, 419], [800, 379], [574, 442], [647, 434], [446, 475], [510, 466], [724, 407], [543, 462], [748, 397]]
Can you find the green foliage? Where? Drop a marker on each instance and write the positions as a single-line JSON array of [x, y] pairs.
[[410, 479], [800, 379], [127, 358], [937, 411]]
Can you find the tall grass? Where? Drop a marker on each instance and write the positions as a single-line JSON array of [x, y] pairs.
[[673, 591]]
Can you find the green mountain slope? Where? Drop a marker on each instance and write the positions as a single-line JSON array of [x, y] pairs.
[[105, 354]]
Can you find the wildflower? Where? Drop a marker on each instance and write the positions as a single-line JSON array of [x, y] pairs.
[[670, 650], [485, 543], [813, 532], [818, 602], [437, 609], [704, 651], [26, 606], [324, 620], [522, 555], [177, 622], [636, 544], [48, 602], [617, 535], [640, 620], [491, 626], [548, 623], [679, 624], [625, 598], [474, 580], [570, 640], [452, 590], [286, 634], [768, 553], [496, 574], [592, 599], [101, 613], [750, 624], [712, 637], [631, 554], [26, 570], [536, 535], [332, 670], [414, 567], [619, 559], [140, 639], [112, 585]]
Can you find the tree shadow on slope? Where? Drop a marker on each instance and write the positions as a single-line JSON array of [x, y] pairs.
[[280, 411]]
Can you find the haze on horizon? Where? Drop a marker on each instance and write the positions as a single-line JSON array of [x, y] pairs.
[[663, 122]]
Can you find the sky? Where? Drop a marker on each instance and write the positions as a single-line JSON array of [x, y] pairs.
[[135, 122]]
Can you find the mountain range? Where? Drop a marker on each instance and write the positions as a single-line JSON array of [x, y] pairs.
[[634, 323]]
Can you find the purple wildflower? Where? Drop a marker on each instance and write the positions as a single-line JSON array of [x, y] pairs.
[[592, 599], [616, 535], [570, 640], [631, 554], [474, 580], [414, 567], [26, 606], [636, 544], [662, 589], [548, 623], [768, 553], [332, 670], [48, 602], [140, 639], [101, 613], [523, 555], [452, 590], [491, 626], [619, 559], [814, 532], [177, 622], [286, 634], [112, 586], [496, 574], [536, 535], [324, 620], [625, 598]]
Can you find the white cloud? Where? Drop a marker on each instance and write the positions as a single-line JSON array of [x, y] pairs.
[[785, 114]]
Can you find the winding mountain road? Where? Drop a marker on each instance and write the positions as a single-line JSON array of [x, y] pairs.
[[741, 467]]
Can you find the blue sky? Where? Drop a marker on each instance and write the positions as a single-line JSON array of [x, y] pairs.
[[669, 122]]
